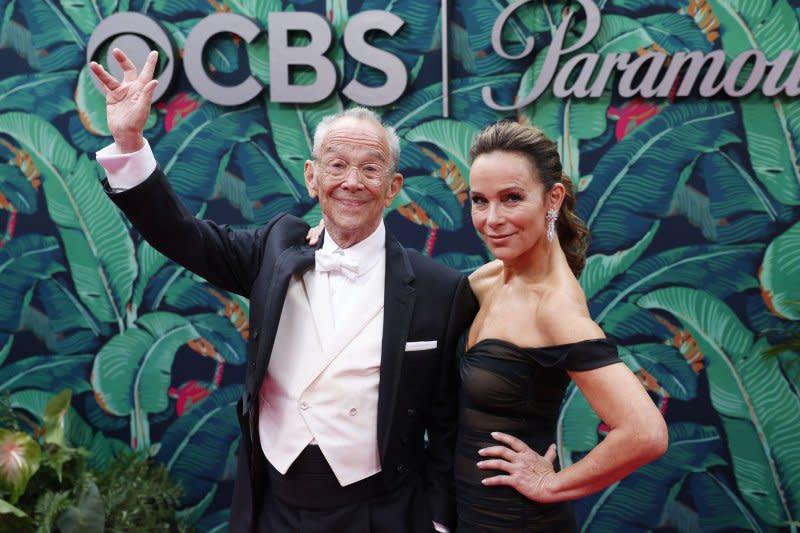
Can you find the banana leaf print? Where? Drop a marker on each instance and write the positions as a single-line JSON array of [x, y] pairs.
[[635, 180], [693, 205], [201, 141], [96, 242], [745, 390], [779, 274], [693, 450], [735, 206], [211, 426]]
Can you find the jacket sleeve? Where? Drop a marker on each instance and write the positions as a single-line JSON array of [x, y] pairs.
[[442, 425], [226, 257]]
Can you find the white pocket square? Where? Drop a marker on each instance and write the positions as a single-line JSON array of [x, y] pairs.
[[415, 346]]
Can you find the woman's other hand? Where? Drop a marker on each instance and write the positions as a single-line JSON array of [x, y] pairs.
[[527, 472], [314, 233]]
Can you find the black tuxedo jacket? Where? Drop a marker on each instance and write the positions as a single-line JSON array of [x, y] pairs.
[[423, 300]]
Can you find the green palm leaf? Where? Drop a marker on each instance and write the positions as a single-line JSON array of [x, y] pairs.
[[435, 197], [150, 261], [46, 94], [61, 43], [47, 372], [132, 372], [466, 102], [772, 125], [666, 364], [209, 430], [639, 500], [719, 507], [716, 269], [738, 205], [671, 31], [223, 336], [270, 188], [759, 408], [65, 324], [24, 261], [87, 15], [201, 141], [293, 131], [17, 190], [96, 241], [452, 137], [600, 269], [780, 272], [636, 179]]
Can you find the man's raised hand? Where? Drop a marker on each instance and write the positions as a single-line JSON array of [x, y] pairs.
[[128, 101]]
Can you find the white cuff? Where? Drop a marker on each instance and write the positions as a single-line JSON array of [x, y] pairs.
[[440, 528], [125, 171]]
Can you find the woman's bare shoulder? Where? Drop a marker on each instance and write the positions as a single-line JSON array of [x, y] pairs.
[[564, 316], [482, 279]]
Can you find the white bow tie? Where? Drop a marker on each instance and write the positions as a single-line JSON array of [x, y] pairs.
[[325, 261]]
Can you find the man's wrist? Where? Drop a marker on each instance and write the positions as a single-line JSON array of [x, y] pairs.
[[129, 146]]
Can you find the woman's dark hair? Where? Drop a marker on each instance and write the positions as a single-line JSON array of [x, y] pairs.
[[532, 143]]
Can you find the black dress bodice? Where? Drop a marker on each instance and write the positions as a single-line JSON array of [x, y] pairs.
[[517, 391]]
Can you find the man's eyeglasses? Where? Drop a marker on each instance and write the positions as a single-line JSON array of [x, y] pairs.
[[339, 168]]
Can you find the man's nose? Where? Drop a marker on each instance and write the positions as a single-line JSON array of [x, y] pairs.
[[352, 178]]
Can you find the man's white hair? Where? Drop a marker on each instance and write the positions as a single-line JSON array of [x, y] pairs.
[[361, 113]]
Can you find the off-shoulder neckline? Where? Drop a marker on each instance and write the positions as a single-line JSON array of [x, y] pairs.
[[535, 348]]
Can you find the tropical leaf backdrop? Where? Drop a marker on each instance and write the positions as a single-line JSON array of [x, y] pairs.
[[693, 204]]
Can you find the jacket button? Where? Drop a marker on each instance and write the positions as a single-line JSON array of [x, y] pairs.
[[412, 412], [353, 411], [304, 406], [400, 469]]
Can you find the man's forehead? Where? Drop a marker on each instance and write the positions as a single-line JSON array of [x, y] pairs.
[[347, 132]]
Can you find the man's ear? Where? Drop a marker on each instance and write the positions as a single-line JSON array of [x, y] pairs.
[[311, 181], [395, 184]]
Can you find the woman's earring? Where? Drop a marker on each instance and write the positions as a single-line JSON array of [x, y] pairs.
[[551, 217]]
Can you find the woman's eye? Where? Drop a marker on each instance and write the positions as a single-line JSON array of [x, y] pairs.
[[513, 198], [477, 200]]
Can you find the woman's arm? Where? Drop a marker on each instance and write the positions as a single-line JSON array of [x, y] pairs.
[[638, 435]]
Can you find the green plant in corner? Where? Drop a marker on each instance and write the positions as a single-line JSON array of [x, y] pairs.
[[139, 495], [44, 484]]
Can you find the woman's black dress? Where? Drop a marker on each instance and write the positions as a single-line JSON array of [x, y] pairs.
[[517, 391]]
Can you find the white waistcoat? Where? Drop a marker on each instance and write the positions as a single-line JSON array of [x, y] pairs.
[[323, 385]]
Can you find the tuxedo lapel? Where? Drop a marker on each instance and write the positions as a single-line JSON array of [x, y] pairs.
[[399, 298]]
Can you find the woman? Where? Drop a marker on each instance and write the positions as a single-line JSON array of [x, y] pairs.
[[532, 334]]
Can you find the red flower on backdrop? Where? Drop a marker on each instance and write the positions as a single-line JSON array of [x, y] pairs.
[[178, 108], [631, 115], [188, 395]]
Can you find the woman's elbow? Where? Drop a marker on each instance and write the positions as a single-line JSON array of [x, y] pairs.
[[654, 439]]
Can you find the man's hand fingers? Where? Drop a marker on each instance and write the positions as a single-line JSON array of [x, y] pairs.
[[109, 82], [497, 451], [149, 67], [128, 68], [149, 89]]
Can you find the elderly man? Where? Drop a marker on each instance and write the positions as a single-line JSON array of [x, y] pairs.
[[351, 352]]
